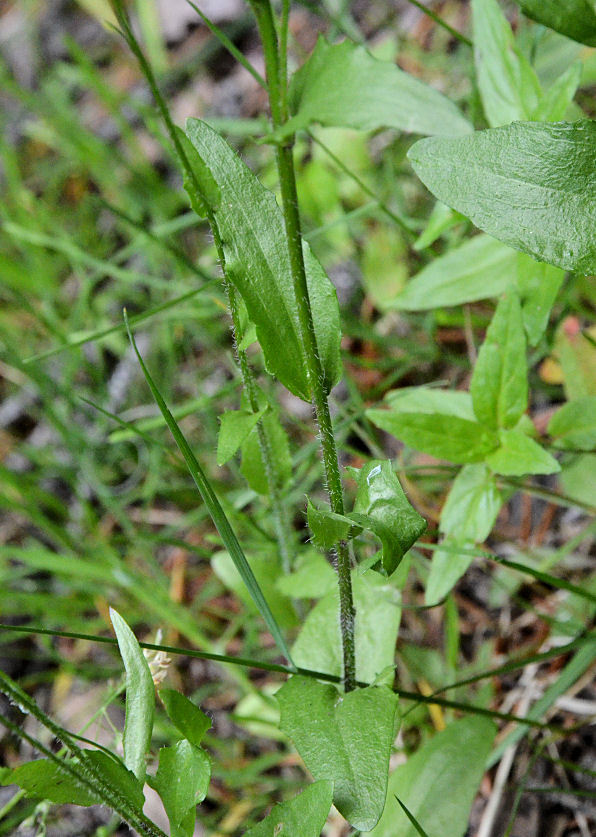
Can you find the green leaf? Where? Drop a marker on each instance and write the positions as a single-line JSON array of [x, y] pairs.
[[200, 186], [531, 185], [573, 426], [574, 18], [305, 814], [252, 467], [519, 455], [342, 85], [577, 355], [439, 782], [448, 565], [188, 718], [472, 505], [181, 780], [343, 738], [556, 101], [449, 402], [312, 578], [538, 285], [327, 528], [477, 269], [577, 478], [378, 611], [499, 385], [235, 426], [214, 508], [251, 226], [45, 779], [382, 507], [140, 698], [438, 434], [508, 85]]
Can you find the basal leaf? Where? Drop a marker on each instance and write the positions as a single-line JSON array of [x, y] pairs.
[[555, 102], [472, 505], [439, 782], [531, 185], [312, 578], [235, 426], [477, 269], [508, 85], [251, 226], [574, 18], [444, 436], [378, 611], [345, 739], [448, 402], [342, 85], [382, 507], [140, 698], [188, 718], [305, 814], [182, 780], [499, 385], [573, 426], [518, 455]]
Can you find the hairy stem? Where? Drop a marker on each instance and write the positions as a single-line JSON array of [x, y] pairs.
[[287, 179]]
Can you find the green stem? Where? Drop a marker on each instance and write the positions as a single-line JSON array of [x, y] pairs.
[[287, 179]]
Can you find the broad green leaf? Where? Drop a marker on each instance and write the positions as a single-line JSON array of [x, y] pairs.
[[477, 269], [234, 429], [305, 814], [45, 779], [531, 185], [472, 505], [188, 718], [200, 186], [253, 468], [214, 508], [251, 226], [499, 385], [441, 219], [343, 738], [449, 402], [448, 565], [508, 85], [555, 102], [538, 285], [384, 265], [439, 782], [577, 478], [518, 455], [378, 610], [140, 698], [438, 434], [573, 426], [312, 578], [266, 572], [382, 507], [327, 528], [343, 85], [181, 780], [574, 18], [577, 355]]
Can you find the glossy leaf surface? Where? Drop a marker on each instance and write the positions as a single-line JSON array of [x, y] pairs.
[[305, 814], [574, 18], [343, 738], [251, 226], [343, 85], [531, 185]]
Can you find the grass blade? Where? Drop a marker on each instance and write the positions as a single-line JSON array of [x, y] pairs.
[[214, 507], [412, 818]]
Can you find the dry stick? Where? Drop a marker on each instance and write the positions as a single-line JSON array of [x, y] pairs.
[[278, 507], [287, 178]]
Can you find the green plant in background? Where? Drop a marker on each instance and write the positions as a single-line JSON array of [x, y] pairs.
[[527, 181]]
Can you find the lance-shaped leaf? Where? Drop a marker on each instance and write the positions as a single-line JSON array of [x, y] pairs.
[[499, 384], [182, 780], [439, 782], [140, 698], [508, 84], [518, 455], [251, 227], [574, 425], [531, 185], [305, 814], [188, 718], [574, 18], [343, 738], [234, 429], [343, 85], [382, 507]]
